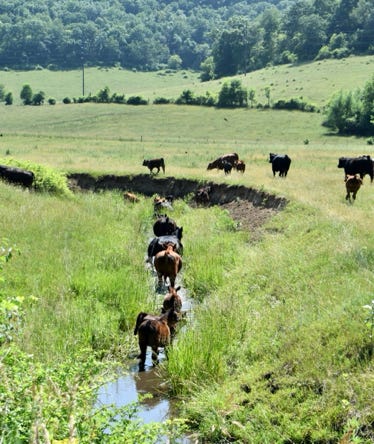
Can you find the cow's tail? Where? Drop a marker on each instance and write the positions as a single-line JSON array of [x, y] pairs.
[[139, 320], [162, 164]]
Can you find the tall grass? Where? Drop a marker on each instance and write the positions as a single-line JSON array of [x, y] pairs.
[[284, 335]]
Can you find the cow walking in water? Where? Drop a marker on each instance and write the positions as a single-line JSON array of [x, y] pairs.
[[168, 264], [154, 331]]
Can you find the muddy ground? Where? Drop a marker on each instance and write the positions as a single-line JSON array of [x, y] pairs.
[[249, 207]]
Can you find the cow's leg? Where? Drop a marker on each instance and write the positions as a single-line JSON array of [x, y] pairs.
[[143, 353], [354, 195], [155, 355]]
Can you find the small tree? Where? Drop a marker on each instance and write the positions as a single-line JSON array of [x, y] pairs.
[[9, 99], [207, 68], [232, 95], [2, 93], [174, 62], [26, 94], [103, 96], [38, 98], [251, 97], [267, 92]]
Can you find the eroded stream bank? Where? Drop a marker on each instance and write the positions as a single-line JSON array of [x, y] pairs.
[[149, 185]]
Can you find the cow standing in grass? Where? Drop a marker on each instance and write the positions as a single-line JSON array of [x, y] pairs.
[[155, 163], [352, 184], [279, 163], [17, 176]]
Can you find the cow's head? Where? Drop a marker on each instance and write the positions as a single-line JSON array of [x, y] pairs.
[[342, 162]]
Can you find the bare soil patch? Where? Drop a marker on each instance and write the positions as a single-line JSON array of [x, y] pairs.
[[251, 208]]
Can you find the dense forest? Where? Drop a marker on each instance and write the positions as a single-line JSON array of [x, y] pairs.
[[220, 37]]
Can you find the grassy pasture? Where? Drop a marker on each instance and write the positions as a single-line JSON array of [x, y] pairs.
[[312, 81], [278, 349]]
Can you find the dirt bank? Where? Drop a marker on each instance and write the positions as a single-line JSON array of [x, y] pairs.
[[248, 206]]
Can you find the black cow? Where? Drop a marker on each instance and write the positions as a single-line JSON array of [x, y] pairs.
[[164, 225], [160, 243], [357, 165], [227, 167], [279, 162], [17, 176], [155, 163]]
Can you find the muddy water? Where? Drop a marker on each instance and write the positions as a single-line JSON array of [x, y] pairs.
[[132, 383]]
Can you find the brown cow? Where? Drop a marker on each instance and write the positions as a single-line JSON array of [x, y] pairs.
[[130, 197], [239, 165], [219, 163], [172, 300], [154, 331], [352, 185], [167, 264], [202, 195]]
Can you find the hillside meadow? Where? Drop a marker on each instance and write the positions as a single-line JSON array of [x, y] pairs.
[[280, 345], [313, 81]]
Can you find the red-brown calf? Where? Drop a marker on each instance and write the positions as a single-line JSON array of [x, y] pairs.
[[167, 264]]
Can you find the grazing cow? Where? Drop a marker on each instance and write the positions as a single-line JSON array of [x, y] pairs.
[[172, 300], [130, 197], [17, 176], [154, 331], [202, 195], [239, 165], [155, 163], [357, 165], [160, 243], [227, 167], [352, 185], [218, 163], [279, 162], [168, 264], [164, 226]]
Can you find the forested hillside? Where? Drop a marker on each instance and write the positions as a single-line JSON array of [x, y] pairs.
[[221, 37]]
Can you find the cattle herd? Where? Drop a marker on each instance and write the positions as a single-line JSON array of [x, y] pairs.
[[355, 168], [165, 256]]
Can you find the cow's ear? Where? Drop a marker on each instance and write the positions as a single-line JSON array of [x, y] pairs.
[[178, 288]]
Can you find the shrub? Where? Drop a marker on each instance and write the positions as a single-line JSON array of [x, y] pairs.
[[38, 98], [161, 101], [294, 104], [26, 94], [136, 100], [52, 101], [66, 100], [9, 99]]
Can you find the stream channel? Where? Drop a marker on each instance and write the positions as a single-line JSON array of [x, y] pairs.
[[134, 383]]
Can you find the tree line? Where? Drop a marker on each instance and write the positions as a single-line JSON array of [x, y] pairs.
[[221, 37]]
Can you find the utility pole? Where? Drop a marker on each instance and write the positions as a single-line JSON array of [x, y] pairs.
[[83, 79]]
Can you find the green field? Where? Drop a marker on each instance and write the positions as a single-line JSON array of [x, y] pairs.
[[280, 347], [315, 82]]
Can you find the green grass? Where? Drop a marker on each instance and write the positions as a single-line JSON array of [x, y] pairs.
[[277, 349], [312, 81]]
